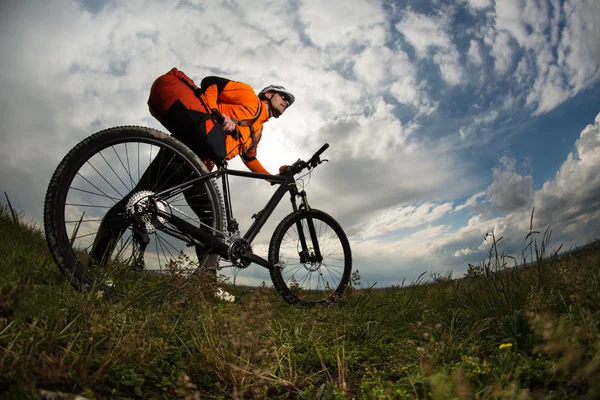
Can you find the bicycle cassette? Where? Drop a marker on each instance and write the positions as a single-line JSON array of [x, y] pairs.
[[139, 208]]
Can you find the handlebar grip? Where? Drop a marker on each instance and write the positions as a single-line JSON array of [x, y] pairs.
[[321, 150]]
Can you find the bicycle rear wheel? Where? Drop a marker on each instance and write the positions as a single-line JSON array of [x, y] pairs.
[[99, 209], [299, 276]]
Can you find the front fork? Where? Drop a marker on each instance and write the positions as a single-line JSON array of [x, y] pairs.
[[305, 253]]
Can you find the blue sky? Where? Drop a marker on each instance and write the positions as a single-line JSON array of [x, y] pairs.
[[447, 120]]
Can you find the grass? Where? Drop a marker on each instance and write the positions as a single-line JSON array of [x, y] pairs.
[[498, 332]]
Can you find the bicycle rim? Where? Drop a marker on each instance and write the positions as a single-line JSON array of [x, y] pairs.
[[304, 281]]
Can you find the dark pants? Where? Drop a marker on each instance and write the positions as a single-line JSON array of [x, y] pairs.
[[162, 173]]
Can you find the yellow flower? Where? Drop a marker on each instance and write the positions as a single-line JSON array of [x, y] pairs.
[[505, 346]]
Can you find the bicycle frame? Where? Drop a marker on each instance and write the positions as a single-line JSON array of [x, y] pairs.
[[202, 238]]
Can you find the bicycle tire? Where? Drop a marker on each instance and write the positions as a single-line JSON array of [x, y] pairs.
[[73, 262], [294, 279]]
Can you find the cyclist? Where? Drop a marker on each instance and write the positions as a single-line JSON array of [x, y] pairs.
[[189, 112], [182, 108]]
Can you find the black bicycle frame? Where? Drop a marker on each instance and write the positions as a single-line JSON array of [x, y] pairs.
[[287, 184]]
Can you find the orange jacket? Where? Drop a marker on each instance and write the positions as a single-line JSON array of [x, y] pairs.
[[233, 99], [238, 101]]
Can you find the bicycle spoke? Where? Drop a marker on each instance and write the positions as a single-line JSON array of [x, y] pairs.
[[131, 181], [104, 178], [95, 194], [95, 187], [112, 169]]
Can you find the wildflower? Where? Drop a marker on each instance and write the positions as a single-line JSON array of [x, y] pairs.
[[505, 346]]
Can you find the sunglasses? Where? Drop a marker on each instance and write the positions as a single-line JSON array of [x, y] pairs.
[[284, 97]]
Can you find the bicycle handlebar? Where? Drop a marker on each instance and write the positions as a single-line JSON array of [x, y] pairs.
[[299, 165], [319, 152]]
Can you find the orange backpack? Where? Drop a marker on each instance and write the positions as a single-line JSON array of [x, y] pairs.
[[173, 86], [178, 103]]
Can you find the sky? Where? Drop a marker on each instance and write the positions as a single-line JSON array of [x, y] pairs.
[[447, 120]]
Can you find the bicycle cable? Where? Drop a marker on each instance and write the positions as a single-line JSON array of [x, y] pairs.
[[196, 220]]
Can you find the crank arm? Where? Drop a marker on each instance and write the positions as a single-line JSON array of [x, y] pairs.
[[256, 259]]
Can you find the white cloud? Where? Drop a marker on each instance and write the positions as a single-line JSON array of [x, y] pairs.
[[329, 24], [423, 32], [501, 50], [575, 189], [537, 28], [474, 53], [579, 46], [428, 35], [450, 67], [404, 218], [480, 4], [374, 64], [478, 124], [471, 201], [463, 252]]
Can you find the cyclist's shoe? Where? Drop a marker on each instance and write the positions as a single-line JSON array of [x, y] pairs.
[[224, 295]]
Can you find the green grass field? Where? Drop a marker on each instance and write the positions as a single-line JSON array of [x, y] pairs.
[[499, 332]]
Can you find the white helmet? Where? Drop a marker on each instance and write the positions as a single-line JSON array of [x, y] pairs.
[[277, 89]]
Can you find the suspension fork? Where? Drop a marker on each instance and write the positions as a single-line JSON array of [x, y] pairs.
[[305, 255]]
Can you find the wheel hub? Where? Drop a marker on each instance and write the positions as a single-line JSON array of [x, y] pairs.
[[312, 265], [141, 207]]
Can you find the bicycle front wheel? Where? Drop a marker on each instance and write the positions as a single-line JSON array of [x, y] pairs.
[[100, 212], [300, 275]]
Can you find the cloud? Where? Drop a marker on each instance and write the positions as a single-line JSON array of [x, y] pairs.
[[501, 50], [423, 32], [575, 190], [510, 191], [328, 24], [471, 201], [474, 53], [375, 65], [432, 35], [404, 218], [560, 41]]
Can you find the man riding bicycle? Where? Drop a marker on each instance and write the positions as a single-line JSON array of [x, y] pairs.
[[179, 105], [189, 113]]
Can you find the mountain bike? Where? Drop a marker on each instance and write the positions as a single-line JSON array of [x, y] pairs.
[[187, 224]]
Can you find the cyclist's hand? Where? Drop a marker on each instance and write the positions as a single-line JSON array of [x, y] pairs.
[[228, 124], [285, 170]]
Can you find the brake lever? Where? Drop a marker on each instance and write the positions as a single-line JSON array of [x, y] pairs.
[[314, 163]]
